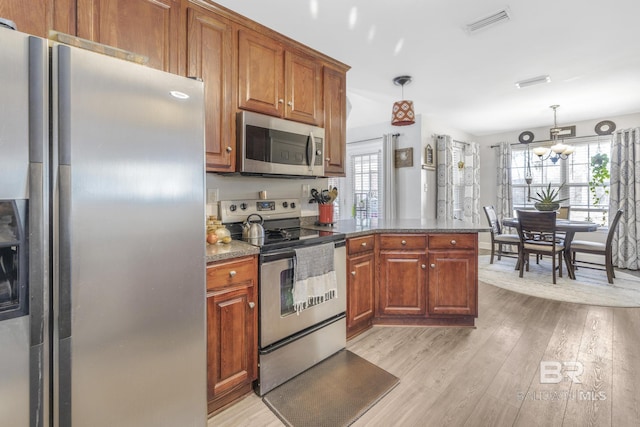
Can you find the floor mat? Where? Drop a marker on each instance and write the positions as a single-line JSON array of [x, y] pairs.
[[335, 392]]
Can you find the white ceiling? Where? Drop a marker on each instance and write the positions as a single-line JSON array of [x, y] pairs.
[[590, 48]]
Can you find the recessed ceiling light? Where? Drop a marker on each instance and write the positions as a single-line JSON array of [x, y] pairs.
[[313, 8], [533, 81], [178, 94], [398, 47], [353, 17]]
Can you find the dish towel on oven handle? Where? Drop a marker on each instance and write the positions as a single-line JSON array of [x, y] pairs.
[[314, 276]]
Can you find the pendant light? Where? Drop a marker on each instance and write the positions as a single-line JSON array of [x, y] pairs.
[[403, 113]]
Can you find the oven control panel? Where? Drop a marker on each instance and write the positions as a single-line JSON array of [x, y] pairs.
[[239, 210]]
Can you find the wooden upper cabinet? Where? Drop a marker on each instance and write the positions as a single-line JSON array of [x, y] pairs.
[[335, 121], [211, 55], [279, 82], [260, 73], [303, 81], [145, 27], [31, 17]]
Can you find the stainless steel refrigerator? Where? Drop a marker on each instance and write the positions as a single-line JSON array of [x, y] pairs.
[[102, 258]]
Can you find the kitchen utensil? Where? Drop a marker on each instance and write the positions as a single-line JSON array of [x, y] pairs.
[[316, 196], [253, 232]]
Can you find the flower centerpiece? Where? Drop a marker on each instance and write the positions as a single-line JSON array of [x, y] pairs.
[[547, 199]]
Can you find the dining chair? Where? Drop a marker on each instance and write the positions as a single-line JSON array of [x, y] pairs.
[[497, 237], [563, 212], [596, 248], [537, 231]]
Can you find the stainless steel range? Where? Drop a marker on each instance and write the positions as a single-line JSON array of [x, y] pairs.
[[293, 336]]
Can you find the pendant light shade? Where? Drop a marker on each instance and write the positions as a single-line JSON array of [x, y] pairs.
[[403, 113]]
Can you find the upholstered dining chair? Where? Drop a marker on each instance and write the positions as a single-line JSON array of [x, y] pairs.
[[596, 248], [563, 212], [537, 231], [497, 237]]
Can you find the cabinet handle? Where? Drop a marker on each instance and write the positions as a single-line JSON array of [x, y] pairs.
[[281, 101], [404, 242], [433, 266], [423, 266], [353, 273], [328, 159], [232, 273], [363, 244], [453, 242], [229, 149], [252, 304], [290, 104]]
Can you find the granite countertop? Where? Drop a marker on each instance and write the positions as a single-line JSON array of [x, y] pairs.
[[235, 249], [353, 227]]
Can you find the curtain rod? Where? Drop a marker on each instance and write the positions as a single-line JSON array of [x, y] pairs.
[[550, 140], [433, 135], [371, 139]]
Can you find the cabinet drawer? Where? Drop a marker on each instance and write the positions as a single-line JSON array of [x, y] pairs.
[[452, 241], [360, 244], [227, 273], [403, 241]]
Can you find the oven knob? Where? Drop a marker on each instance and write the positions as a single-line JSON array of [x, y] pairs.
[[232, 208], [243, 206], [285, 204], [293, 205]]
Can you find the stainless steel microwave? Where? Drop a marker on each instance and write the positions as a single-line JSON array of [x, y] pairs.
[[273, 146]]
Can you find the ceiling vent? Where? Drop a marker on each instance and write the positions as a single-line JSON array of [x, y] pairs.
[[488, 21], [533, 81]]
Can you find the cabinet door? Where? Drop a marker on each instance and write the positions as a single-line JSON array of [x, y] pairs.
[[335, 121], [145, 27], [30, 17], [231, 335], [360, 293], [260, 73], [211, 56], [453, 286], [402, 284], [302, 89]]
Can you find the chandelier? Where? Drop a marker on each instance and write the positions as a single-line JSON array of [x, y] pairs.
[[558, 150]]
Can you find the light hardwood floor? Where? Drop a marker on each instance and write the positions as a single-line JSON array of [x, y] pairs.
[[490, 375]]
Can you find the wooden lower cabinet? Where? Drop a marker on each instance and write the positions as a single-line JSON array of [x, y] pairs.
[[453, 275], [360, 284], [232, 326], [402, 282], [418, 279]]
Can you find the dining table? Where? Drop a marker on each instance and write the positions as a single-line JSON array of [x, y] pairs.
[[567, 226]]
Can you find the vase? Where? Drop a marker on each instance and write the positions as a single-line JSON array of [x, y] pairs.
[[554, 206]]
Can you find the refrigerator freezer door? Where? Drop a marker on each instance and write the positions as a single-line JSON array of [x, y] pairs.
[[129, 242], [24, 355]]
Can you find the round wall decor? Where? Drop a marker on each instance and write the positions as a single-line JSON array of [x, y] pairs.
[[605, 127], [526, 137]]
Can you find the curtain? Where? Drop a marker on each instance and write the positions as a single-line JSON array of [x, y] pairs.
[[444, 168], [472, 183], [625, 194], [504, 206], [389, 142]]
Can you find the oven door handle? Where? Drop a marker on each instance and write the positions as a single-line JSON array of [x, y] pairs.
[[275, 256]]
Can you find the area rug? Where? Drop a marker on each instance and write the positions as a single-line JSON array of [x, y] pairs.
[[335, 392], [590, 287]]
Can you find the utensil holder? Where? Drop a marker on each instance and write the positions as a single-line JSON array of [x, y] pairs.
[[325, 213]]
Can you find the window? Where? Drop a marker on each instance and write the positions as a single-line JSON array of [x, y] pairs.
[[575, 173]]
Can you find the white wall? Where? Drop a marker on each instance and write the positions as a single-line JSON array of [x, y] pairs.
[[416, 186], [488, 162]]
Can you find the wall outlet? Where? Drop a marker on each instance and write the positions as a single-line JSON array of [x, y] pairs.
[[212, 195], [305, 192]]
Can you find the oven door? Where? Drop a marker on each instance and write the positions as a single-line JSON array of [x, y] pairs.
[[278, 319]]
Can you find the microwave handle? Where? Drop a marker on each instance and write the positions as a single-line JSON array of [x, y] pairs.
[[313, 151]]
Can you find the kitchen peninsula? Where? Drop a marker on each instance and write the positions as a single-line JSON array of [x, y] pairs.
[[410, 272]]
